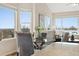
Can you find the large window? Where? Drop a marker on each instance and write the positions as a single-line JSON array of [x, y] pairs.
[[26, 19], [45, 22], [70, 23], [6, 22], [58, 23]]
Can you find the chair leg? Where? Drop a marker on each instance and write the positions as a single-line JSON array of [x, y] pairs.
[[17, 53]]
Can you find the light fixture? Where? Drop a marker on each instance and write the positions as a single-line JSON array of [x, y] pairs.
[[73, 4]]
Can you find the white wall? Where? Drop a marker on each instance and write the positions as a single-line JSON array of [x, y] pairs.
[[42, 9], [7, 46], [67, 14]]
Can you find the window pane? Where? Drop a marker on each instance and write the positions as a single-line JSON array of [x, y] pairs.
[[6, 17], [25, 19], [67, 23], [47, 21], [70, 22], [6, 22], [58, 23]]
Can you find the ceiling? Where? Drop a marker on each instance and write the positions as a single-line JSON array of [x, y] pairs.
[[63, 7], [21, 5], [54, 7]]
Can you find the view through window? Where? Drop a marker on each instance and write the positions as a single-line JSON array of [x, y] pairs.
[[45, 22], [26, 20], [70, 23], [6, 22]]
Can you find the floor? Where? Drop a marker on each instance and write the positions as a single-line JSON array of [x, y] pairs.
[[59, 49]]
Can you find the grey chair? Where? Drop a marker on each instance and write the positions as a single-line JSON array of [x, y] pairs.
[[66, 37], [25, 44]]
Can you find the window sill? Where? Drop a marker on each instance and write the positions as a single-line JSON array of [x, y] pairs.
[[7, 39]]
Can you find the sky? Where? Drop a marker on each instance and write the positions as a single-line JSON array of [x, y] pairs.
[[7, 17]]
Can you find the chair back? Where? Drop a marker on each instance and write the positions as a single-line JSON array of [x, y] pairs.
[[25, 44]]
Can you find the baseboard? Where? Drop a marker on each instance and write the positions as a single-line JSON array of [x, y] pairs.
[[8, 53]]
